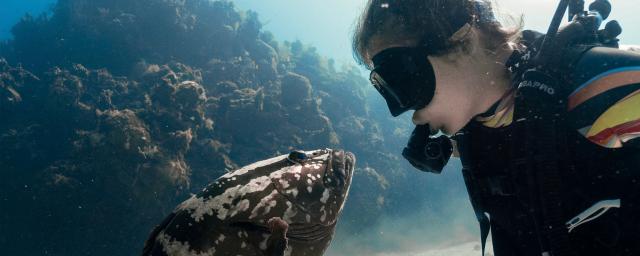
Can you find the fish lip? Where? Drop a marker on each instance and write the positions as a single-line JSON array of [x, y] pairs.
[[342, 164], [350, 163]]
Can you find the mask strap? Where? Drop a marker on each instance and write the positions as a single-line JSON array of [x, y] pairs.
[[461, 33]]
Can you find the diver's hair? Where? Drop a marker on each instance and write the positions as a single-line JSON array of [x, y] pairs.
[[429, 23]]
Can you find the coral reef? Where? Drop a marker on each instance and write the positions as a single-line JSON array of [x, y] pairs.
[[114, 111]]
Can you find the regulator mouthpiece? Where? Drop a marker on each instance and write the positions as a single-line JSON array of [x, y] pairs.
[[426, 153]]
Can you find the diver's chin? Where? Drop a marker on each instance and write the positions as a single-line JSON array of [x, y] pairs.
[[445, 131], [451, 131], [435, 132]]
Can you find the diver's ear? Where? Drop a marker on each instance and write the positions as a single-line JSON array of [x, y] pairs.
[[466, 42], [475, 42]]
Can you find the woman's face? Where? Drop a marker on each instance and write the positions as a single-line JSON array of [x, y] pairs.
[[452, 105]]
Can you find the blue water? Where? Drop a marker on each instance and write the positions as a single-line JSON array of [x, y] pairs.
[[329, 24], [12, 10]]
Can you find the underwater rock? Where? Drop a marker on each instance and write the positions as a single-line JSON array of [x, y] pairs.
[[179, 141], [126, 133], [210, 159], [139, 29], [177, 99], [266, 58], [13, 82], [254, 210], [250, 28], [296, 90], [240, 69], [224, 87], [84, 132], [359, 131], [189, 95], [124, 107]]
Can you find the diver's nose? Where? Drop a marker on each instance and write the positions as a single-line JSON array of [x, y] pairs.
[[417, 119]]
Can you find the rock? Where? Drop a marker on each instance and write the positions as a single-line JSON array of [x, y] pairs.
[[120, 106], [250, 28], [124, 132], [13, 84], [224, 87], [267, 60], [179, 141], [296, 90], [189, 95]]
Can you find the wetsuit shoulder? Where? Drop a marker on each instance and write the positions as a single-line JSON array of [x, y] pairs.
[[604, 104]]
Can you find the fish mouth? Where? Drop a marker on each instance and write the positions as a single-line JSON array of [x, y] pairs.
[[342, 166], [350, 163]]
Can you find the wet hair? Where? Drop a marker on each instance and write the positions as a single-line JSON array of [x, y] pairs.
[[429, 23]]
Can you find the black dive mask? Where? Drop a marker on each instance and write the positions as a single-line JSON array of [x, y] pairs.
[[404, 77]]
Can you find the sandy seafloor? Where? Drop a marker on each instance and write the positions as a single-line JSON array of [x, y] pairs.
[[464, 249]]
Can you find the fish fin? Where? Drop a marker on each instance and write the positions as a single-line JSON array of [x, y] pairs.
[[277, 243], [148, 245]]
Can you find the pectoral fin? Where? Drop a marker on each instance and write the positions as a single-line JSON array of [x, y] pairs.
[[277, 243]]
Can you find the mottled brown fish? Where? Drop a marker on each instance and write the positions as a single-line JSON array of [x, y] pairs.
[[286, 205]]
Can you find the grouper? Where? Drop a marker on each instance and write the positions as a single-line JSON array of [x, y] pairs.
[[286, 205]]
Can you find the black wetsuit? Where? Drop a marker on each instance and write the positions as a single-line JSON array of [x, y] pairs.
[[601, 161]]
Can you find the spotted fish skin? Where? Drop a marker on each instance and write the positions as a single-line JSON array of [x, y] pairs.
[[231, 215]]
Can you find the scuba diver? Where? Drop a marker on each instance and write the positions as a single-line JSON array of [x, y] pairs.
[[547, 126]]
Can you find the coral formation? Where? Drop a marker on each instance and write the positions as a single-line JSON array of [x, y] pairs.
[[113, 111]]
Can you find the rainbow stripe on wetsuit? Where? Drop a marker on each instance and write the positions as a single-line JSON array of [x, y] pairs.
[[605, 109]]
